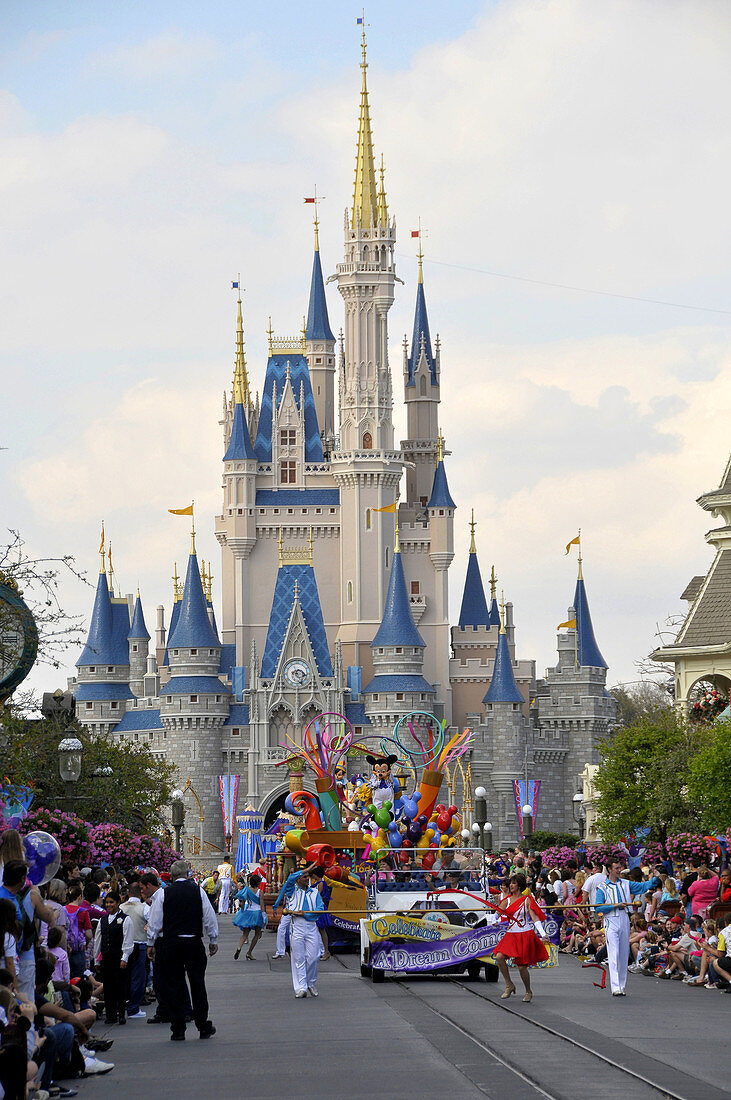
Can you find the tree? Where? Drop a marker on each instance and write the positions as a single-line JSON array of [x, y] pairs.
[[133, 794], [38, 581], [709, 777], [640, 700], [643, 775]]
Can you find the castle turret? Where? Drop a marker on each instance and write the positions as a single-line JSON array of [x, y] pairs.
[[194, 703], [441, 509], [139, 643], [473, 611], [421, 394], [320, 350], [102, 684], [398, 685]]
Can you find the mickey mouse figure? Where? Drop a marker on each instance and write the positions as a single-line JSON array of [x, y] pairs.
[[385, 786]]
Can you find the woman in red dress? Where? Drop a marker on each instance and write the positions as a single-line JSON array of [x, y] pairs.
[[525, 939]]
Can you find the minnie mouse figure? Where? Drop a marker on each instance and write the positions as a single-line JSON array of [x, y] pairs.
[[385, 786]]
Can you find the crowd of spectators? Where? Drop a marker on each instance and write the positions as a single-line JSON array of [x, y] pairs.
[[680, 931], [73, 958]]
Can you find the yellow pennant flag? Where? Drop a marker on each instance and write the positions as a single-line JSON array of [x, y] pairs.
[[182, 511], [387, 508], [574, 542], [571, 624]]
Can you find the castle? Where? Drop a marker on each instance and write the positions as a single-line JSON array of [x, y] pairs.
[[336, 546]]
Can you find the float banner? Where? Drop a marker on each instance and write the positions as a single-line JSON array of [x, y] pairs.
[[413, 945]]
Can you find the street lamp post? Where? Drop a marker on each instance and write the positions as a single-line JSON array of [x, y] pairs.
[[482, 827], [527, 821], [70, 751], [178, 815]]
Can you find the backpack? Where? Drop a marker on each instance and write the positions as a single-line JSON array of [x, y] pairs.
[[74, 936]]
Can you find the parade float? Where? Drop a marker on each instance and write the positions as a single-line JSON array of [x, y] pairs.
[[398, 881]]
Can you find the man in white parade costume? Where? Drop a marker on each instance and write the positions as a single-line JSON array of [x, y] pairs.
[[613, 899]]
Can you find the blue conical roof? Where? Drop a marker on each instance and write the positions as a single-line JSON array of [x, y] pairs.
[[587, 650], [193, 627], [494, 613], [318, 323], [474, 610], [397, 626], [138, 628], [276, 375], [421, 329], [240, 446], [100, 645], [303, 577], [440, 495], [503, 688]]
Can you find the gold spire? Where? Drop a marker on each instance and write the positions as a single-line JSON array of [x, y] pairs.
[[440, 447], [270, 333], [382, 210], [581, 574], [192, 528], [102, 567], [396, 545], [111, 569], [493, 583], [365, 199], [176, 583], [210, 583], [241, 392], [502, 613], [473, 548]]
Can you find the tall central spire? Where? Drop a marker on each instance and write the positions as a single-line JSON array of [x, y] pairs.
[[241, 394], [365, 194]]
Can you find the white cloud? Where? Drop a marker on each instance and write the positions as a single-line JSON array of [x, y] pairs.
[[172, 54]]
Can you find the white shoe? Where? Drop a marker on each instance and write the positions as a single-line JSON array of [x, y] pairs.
[[95, 1066], [277, 956], [312, 990], [300, 993], [139, 1015]]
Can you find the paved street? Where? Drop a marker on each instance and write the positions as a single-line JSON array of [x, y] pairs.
[[425, 1038]]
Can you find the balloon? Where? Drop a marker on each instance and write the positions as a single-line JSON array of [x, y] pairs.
[[411, 806], [382, 817], [444, 818], [413, 832], [43, 856], [395, 839]]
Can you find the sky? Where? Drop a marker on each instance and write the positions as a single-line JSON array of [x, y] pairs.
[[569, 161]]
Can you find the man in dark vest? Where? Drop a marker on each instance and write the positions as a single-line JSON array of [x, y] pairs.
[[114, 941], [179, 915]]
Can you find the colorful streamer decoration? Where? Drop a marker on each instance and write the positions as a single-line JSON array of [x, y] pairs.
[[228, 787]]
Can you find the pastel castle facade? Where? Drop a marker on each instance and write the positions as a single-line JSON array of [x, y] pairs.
[[336, 544]]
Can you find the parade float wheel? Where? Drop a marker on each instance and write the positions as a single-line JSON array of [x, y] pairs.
[[491, 973], [365, 971], [474, 969], [377, 976]]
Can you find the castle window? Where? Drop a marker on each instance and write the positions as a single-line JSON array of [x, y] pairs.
[[318, 359], [367, 441], [110, 668], [240, 512], [218, 698], [92, 668], [287, 473], [304, 511], [276, 511], [414, 588], [175, 653], [290, 511], [441, 511], [399, 649], [399, 694], [150, 736], [114, 706], [386, 557], [134, 648], [210, 652], [423, 501], [236, 733], [375, 698], [89, 706], [350, 591], [318, 511], [194, 698], [358, 731], [194, 652], [368, 519], [332, 511], [288, 437]]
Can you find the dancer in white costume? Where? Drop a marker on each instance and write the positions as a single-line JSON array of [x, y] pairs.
[[613, 896], [225, 877], [305, 944]]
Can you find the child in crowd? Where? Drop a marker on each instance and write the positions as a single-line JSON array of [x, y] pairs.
[[62, 968]]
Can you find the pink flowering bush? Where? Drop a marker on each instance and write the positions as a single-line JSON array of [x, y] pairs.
[[111, 843], [684, 846], [601, 853], [71, 831]]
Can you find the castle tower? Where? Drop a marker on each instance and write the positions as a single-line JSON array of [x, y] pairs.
[[139, 644], [421, 394], [575, 711], [507, 735], [194, 703], [398, 685], [441, 508], [365, 467], [320, 351], [102, 686], [474, 643]]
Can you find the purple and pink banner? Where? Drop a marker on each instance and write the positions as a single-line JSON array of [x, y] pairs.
[[228, 786], [526, 793]]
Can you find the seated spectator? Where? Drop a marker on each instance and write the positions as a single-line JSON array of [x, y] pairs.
[[715, 968], [669, 892], [703, 891], [724, 886], [10, 933], [679, 951]]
